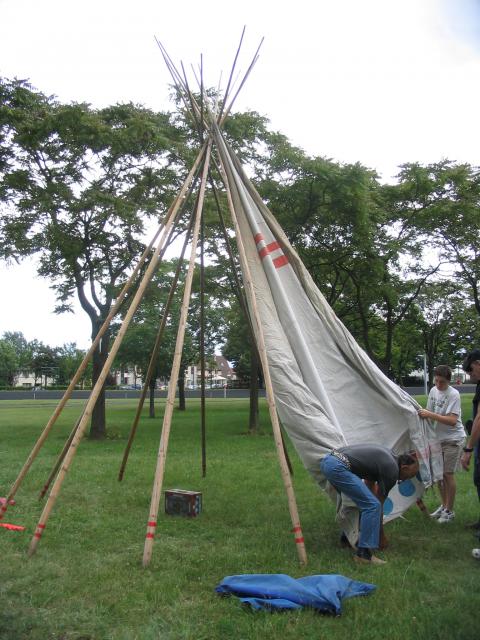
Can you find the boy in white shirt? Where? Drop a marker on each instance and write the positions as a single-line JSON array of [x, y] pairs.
[[444, 408]]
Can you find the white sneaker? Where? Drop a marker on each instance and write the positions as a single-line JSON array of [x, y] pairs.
[[446, 516], [476, 554], [438, 512]]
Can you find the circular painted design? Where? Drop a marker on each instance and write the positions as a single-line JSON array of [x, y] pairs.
[[387, 507], [406, 488]]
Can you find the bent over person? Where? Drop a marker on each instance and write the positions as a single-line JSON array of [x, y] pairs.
[[346, 468]]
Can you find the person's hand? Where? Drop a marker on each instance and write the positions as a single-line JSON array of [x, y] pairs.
[[423, 413], [465, 459]]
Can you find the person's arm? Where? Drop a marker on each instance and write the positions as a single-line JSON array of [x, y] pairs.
[[471, 442], [450, 419]]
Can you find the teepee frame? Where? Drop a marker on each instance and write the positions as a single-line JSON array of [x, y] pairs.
[[208, 119]]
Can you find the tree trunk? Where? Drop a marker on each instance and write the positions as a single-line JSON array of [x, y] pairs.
[[151, 412], [181, 389], [253, 421], [98, 427]]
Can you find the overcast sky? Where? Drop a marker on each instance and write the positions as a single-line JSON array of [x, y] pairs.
[[377, 81]]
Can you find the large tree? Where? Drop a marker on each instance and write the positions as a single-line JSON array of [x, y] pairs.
[[77, 184], [442, 201]]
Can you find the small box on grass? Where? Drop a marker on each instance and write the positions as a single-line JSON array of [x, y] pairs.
[[179, 502]]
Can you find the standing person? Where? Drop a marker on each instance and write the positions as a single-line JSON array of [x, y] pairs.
[[443, 407], [471, 365], [346, 468]]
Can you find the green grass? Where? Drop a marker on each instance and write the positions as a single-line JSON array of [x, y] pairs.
[[87, 582]]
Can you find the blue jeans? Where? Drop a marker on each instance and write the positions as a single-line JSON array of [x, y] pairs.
[[340, 476]]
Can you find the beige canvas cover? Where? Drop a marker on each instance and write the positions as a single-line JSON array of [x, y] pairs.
[[327, 390]]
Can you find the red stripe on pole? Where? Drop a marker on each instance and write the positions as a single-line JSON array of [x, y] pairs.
[[150, 535], [263, 252], [299, 540], [297, 529], [273, 246], [37, 534], [281, 261], [258, 238], [41, 526], [152, 524]]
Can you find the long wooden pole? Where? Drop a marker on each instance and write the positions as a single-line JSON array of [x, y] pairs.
[[59, 460], [167, 418], [250, 292], [109, 361], [235, 286], [153, 359], [202, 347]]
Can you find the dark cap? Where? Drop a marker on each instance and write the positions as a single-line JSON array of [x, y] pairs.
[[469, 358]]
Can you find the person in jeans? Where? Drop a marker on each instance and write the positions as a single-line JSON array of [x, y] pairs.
[[443, 407], [346, 468]]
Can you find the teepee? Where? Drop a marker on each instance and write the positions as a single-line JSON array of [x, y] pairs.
[[321, 387]]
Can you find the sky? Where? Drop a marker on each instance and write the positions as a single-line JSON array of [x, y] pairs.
[[381, 82]]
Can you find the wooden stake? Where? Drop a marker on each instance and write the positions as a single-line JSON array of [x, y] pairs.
[[250, 292], [108, 363], [167, 418]]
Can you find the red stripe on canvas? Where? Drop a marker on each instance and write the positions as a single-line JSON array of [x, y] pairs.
[[273, 246], [281, 261]]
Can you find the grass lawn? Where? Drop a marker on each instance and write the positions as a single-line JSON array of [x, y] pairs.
[[87, 582]]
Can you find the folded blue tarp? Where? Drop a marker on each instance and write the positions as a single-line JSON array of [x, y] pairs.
[[279, 591]]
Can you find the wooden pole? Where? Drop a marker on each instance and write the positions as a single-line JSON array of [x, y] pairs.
[[108, 363], [202, 346], [241, 298], [153, 358], [59, 461], [167, 418], [250, 292]]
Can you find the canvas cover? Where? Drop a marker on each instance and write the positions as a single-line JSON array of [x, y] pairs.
[[328, 392]]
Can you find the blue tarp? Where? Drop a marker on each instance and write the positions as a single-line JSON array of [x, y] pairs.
[[279, 591]]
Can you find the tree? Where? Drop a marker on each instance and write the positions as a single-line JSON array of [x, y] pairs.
[[22, 349], [9, 364], [44, 363], [442, 200], [137, 346], [77, 184], [69, 358]]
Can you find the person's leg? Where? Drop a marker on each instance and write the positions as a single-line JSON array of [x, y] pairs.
[[351, 485], [451, 457], [450, 490], [442, 490]]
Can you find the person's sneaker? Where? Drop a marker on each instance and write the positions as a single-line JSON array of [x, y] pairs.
[[446, 516], [372, 560], [438, 512], [476, 554]]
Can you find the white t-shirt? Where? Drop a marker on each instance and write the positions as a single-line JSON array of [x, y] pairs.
[[444, 403]]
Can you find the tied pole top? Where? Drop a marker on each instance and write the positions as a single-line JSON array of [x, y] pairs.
[[208, 106]]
